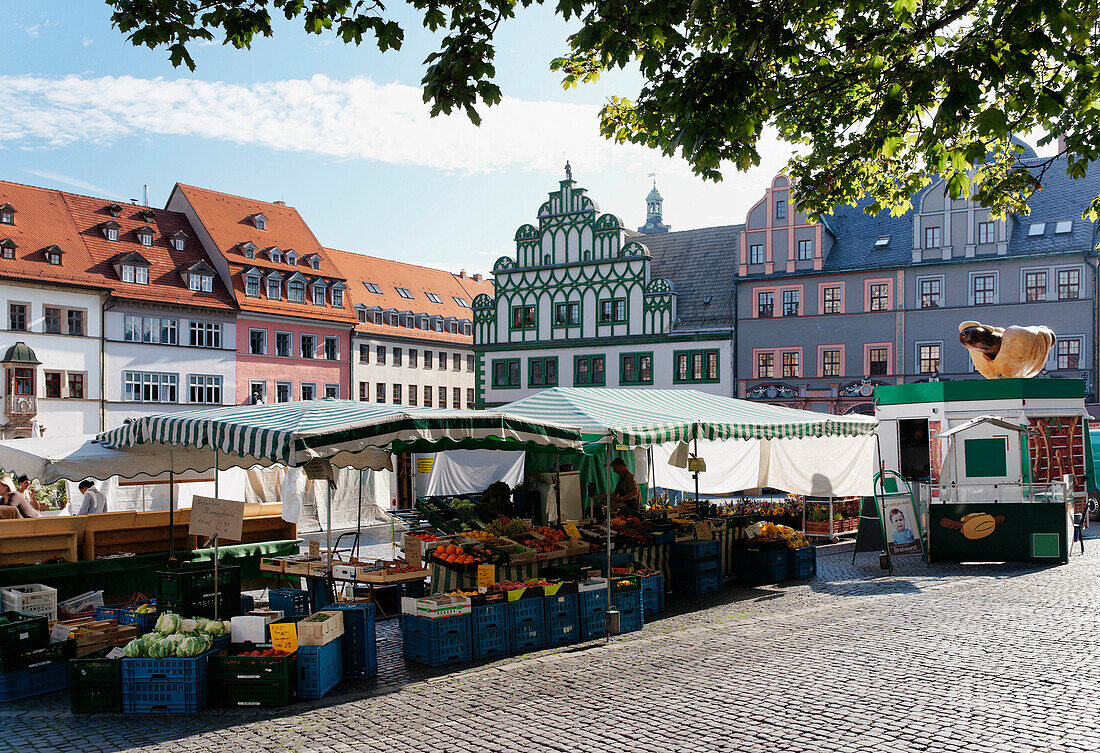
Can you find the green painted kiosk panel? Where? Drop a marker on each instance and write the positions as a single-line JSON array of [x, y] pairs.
[[998, 532], [985, 458]]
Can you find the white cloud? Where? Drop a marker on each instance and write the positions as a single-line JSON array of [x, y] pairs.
[[87, 41], [73, 182]]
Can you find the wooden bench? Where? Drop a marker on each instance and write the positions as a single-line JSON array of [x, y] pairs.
[[22, 544]]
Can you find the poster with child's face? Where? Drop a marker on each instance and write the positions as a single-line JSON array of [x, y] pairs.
[[901, 529]]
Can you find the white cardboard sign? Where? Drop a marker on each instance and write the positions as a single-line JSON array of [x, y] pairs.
[[211, 517]]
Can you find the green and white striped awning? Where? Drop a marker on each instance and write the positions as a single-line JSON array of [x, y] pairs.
[[344, 431], [638, 417]]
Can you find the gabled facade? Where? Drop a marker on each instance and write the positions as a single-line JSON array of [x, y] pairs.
[[827, 311], [294, 321], [580, 304]]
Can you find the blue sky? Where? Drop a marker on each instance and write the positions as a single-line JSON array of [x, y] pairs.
[[336, 131]]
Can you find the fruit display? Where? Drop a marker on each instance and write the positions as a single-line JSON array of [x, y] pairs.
[[146, 609], [268, 652], [457, 555], [478, 535], [507, 527], [549, 532], [398, 569], [631, 530], [424, 536]]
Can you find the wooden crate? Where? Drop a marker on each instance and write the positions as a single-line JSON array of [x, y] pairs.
[[320, 633]]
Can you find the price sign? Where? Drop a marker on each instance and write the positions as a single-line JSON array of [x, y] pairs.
[[319, 469], [424, 465], [703, 531], [284, 636], [116, 653], [486, 575], [571, 529], [61, 632], [216, 517], [315, 549], [414, 551]]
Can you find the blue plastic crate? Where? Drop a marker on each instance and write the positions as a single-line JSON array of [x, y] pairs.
[[562, 624], [124, 614], [653, 593], [631, 614], [292, 602], [190, 670], [695, 567], [248, 603], [696, 584], [489, 615], [694, 550], [768, 566], [320, 669], [165, 696], [24, 683], [802, 563], [359, 639], [492, 641], [592, 614], [527, 624], [599, 561], [437, 642]]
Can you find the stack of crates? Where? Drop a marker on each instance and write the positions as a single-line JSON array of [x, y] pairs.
[[360, 640], [95, 684], [491, 635], [626, 598], [174, 685], [592, 614], [562, 626], [801, 563], [127, 614], [29, 664], [762, 565], [320, 668], [653, 593], [436, 642], [254, 680], [696, 568], [191, 591], [526, 619], [292, 602], [31, 598]]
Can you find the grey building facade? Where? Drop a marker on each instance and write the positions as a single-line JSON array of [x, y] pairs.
[[827, 310]]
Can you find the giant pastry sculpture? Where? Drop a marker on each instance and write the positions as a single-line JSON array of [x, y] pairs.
[[1007, 352]]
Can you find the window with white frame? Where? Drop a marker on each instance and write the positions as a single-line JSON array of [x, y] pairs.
[[206, 334], [309, 346], [983, 289], [135, 274], [461, 301], [252, 286], [930, 292], [283, 392], [1035, 285], [204, 389], [985, 232], [1063, 226], [332, 391], [372, 288], [332, 348], [309, 391], [1069, 284], [318, 295], [150, 329], [283, 346], [296, 292], [404, 293], [932, 237], [756, 253], [434, 298], [274, 289], [51, 320], [805, 250], [150, 387], [337, 298], [928, 358], [257, 342], [201, 283]]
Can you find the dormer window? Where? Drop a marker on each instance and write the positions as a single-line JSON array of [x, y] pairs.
[[275, 254], [274, 288], [7, 248], [296, 292], [248, 249], [372, 288], [134, 273], [53, 255], [144, 235], [1036, 229], [338, 298], [200, 283], [315, 262], [434, 298], [178, 240], [292, 258], [883, 241], [259, 221], [319, 294], [110, 230], [148, 215], [252, 285], [115, 210], [7, 214]]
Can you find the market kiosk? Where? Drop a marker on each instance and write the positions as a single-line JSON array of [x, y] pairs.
[[999, 464]]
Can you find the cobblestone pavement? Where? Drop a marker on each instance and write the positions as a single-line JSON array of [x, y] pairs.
[[991, 658]]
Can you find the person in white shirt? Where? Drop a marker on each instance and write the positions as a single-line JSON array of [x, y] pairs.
[[10, 495], [94, 501]]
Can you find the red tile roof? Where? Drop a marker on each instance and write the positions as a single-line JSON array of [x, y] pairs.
[[47, 217], [389, 275], [228, 220]]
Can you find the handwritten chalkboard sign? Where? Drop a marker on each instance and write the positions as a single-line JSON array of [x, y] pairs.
[[211, 517]]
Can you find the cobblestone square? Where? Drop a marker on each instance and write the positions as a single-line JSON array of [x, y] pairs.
[[983, 658]]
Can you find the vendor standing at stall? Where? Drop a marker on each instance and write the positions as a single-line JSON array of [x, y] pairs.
[[626, 497]]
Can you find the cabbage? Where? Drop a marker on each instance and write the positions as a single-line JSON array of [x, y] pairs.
[[188, 626], [167, 623], [214, 628], [160, 649], [192, 645], [135, 649], [201, 624]]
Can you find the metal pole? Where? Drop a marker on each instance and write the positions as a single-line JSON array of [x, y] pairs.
[[217, 590], [359, 513], [607, 518], [171, 515], [696, 441]]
